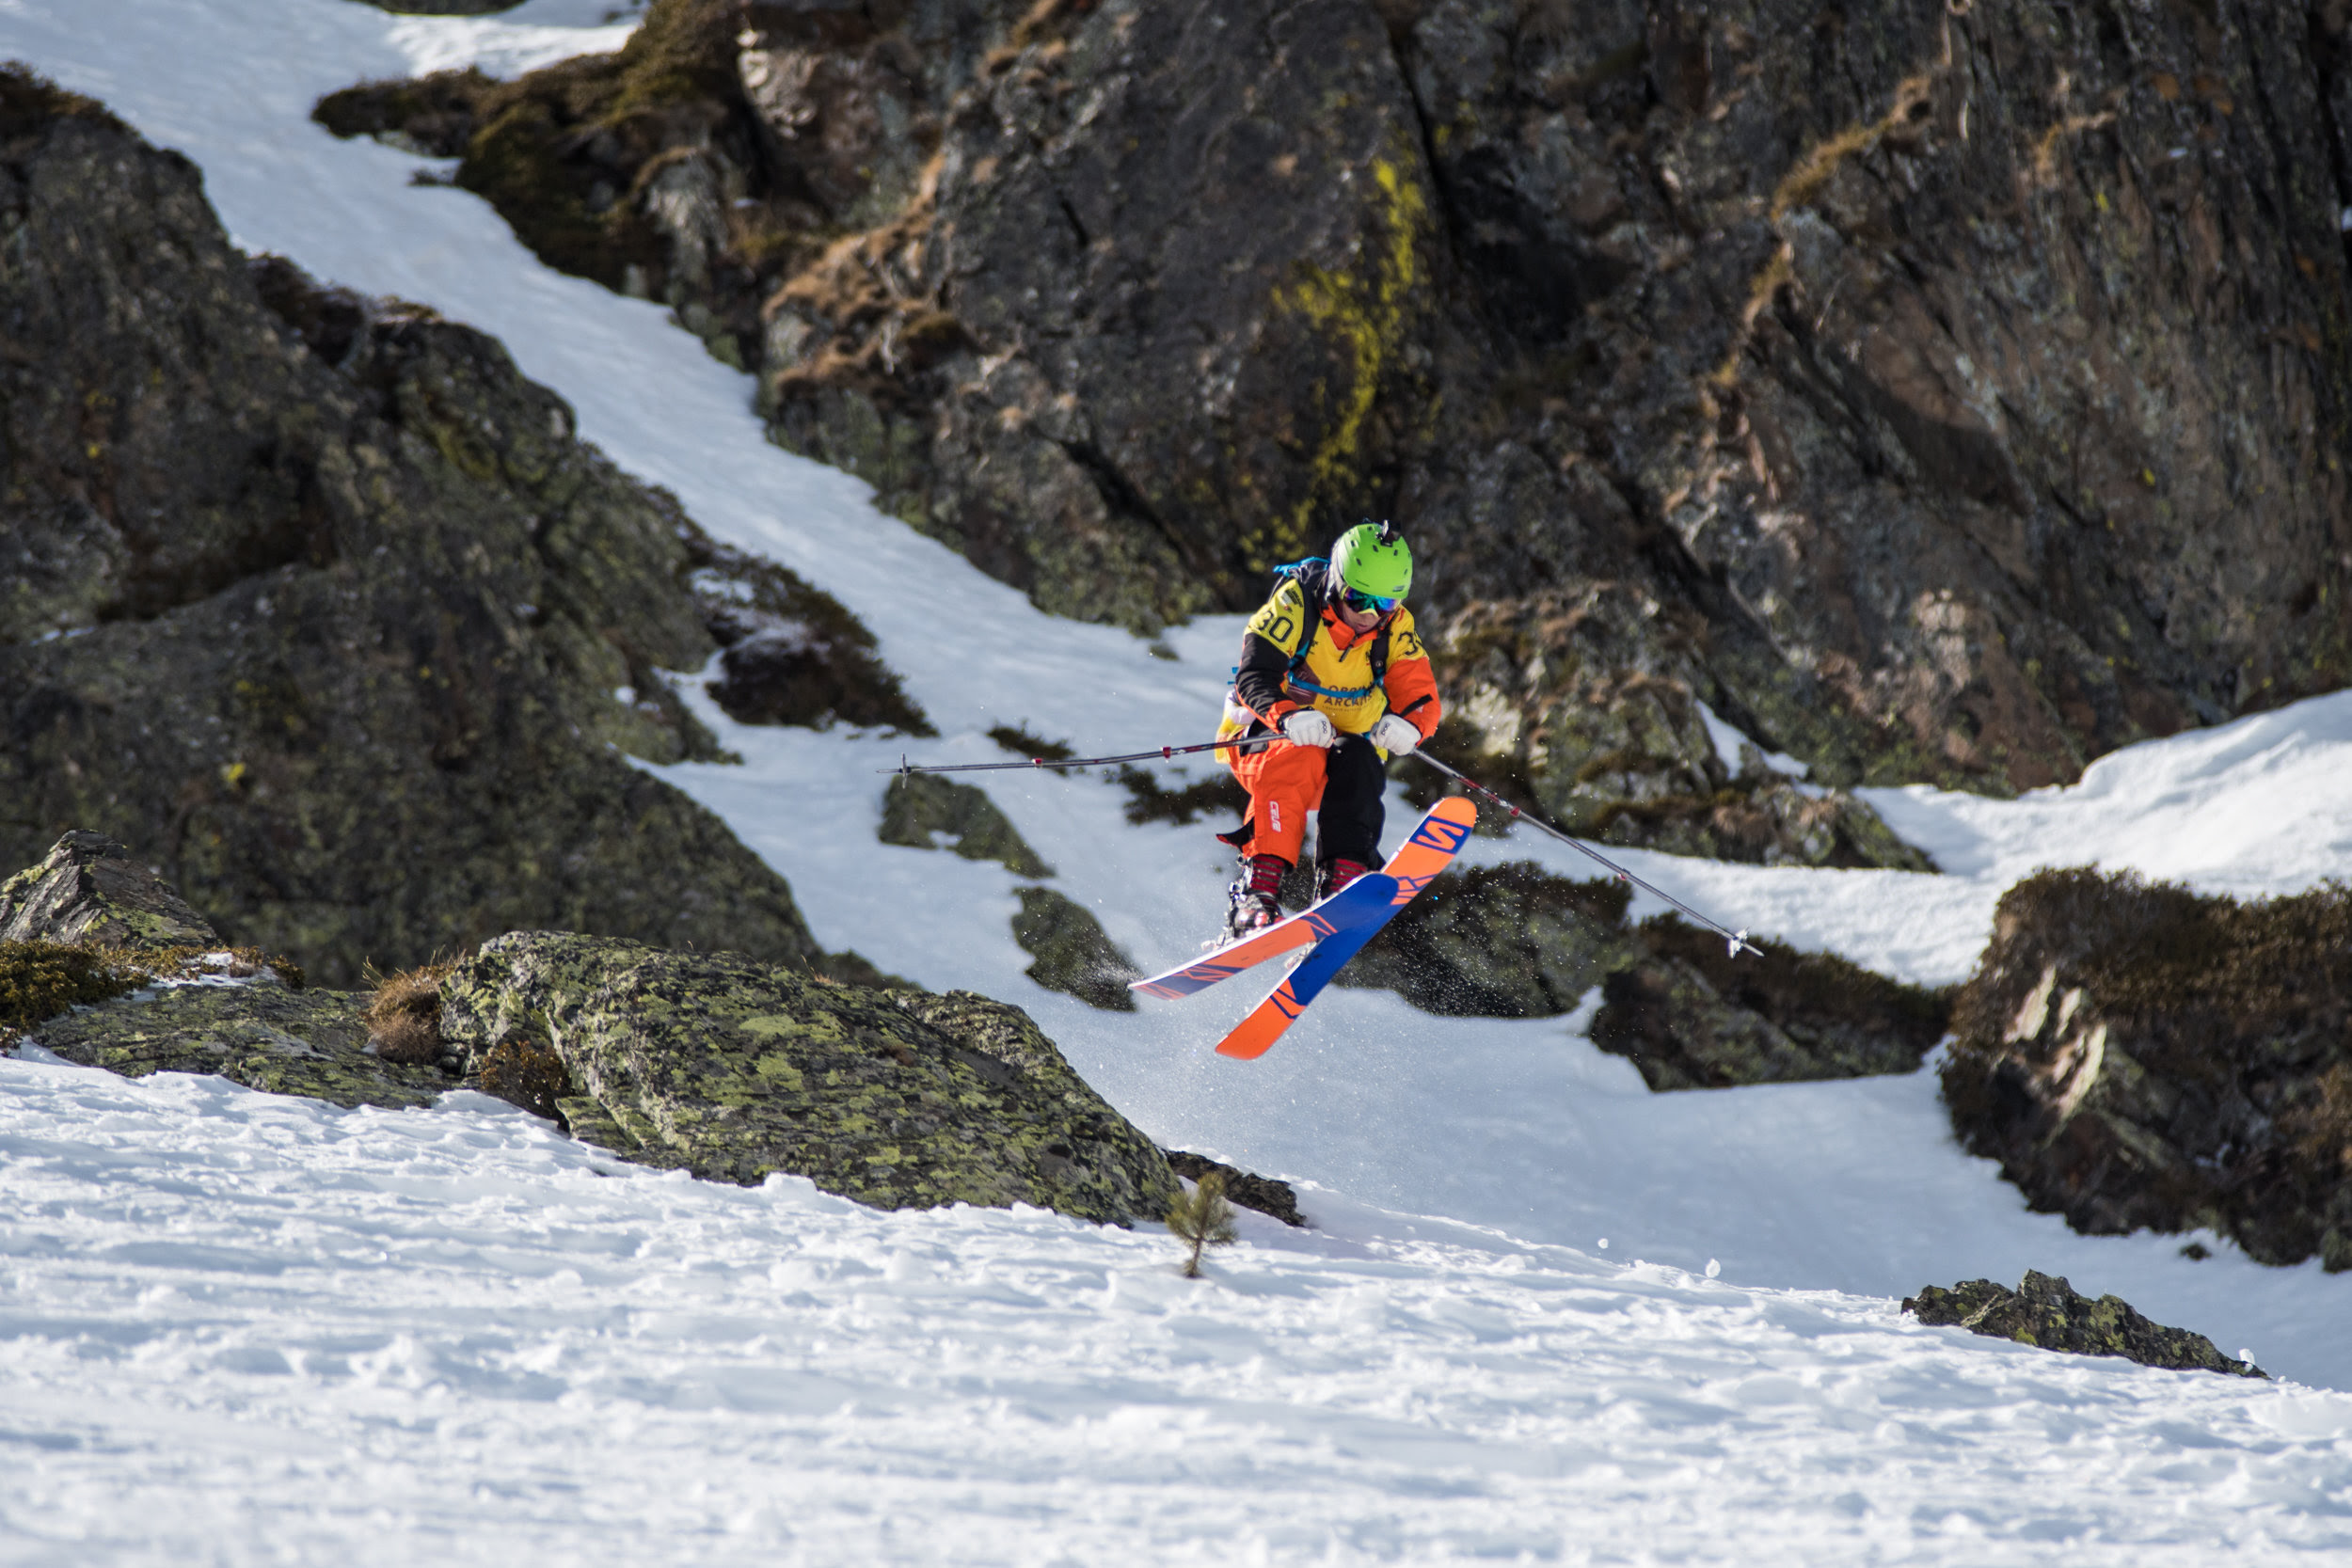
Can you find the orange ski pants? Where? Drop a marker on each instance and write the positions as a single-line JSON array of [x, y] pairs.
[[1342, 785]]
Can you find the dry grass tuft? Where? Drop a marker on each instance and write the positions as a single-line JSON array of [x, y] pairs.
[[30, 103], [1812, 172], [404, 1017], [2045, 151]]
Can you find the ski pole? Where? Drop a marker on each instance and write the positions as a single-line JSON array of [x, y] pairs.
[[1733, 941], [1160, 756]]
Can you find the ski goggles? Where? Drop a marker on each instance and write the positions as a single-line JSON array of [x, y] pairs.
[[1360, 602]]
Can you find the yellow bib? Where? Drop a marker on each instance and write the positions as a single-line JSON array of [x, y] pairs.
[[1348, 693]]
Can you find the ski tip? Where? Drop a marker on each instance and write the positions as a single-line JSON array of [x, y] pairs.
[[1457, 808], [1246, 1047], [1254, 1036]]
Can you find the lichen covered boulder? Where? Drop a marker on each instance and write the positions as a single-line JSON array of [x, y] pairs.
[[311, 1043], [734, 1068], [2051, 1313], [89, 890]]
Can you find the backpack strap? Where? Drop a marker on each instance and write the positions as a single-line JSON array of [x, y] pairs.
[[1298, 571]]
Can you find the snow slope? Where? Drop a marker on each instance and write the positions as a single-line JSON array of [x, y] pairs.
[[245, 1329], [1519, 1128]]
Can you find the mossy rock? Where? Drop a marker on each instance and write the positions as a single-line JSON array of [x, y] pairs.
[[89, 890], [2049, 1313], [2140, 1055], [1694, 1016], [1501, 942], [1073, 954], [311, 1043], [41, 979], [734, 1069], [920, 809]]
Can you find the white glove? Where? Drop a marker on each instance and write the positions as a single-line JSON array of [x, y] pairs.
[[1394, 736], [1309, 728]]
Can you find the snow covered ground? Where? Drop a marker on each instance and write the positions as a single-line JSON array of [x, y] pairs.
[[240, 1330]]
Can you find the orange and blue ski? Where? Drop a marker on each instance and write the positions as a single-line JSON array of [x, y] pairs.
[[1336, 913], [1255, 1035], [1434, 842], [1436, 838], [1424, 854]]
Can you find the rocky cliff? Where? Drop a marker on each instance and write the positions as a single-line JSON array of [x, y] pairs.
[[322, 604], [2138, 1056], [1945, 392]]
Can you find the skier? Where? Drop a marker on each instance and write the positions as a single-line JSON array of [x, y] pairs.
[[1332, 662]]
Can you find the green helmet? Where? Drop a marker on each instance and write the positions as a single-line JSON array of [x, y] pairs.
[[1373, 560]]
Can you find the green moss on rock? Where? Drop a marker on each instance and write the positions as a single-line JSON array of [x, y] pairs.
[[920, 809], [311, 1043], [41, 979], [1073, 954], [2050, 1313]]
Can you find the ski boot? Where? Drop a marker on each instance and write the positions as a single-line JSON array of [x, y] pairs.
[[1335, 875], [1255, 900], [1250, 912]]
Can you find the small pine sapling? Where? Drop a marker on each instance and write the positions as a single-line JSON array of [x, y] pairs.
[[1203, 1218]]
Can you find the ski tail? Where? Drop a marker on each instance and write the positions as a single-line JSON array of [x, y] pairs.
[[1254, 1036], [1434, 844]]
